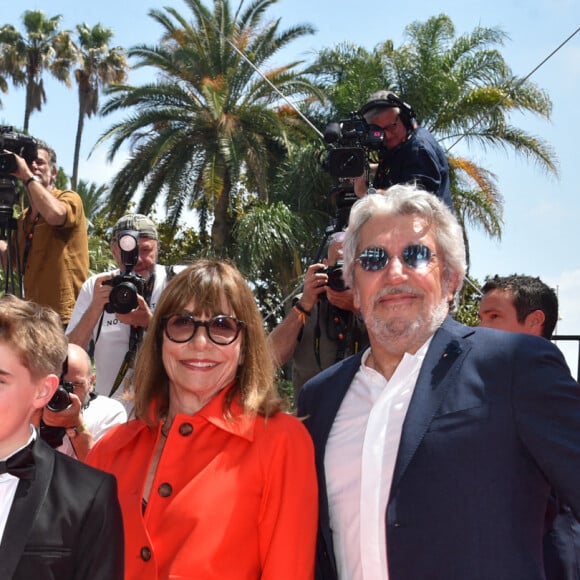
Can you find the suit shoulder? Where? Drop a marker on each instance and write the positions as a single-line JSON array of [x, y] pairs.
[[326, 378], [81, 473]]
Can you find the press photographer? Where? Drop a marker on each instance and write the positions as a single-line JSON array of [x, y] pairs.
[[76, 417], [407, 153], [128, 286], [114, 308], [51, 246], [322, 327]]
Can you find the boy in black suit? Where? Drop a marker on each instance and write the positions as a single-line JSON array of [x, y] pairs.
[[59, 518]]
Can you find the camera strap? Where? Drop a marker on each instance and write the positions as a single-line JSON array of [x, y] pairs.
[[135, 338], [337, 331]]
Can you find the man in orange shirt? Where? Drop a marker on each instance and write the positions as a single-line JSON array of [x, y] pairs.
[[52, 236]]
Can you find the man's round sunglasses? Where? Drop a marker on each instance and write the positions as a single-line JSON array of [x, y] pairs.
[[221, 329], [415, 256]]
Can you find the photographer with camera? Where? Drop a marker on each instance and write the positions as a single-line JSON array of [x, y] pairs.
[[52, 235], [76, 417], [410, 153], [322, 327], [114, 308]]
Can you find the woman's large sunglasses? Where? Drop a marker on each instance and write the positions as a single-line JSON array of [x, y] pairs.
[[415, 256], [221, 329]]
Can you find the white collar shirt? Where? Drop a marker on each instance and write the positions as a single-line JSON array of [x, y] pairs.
[[360, 457]]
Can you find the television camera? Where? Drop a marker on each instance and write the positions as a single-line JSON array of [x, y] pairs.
[[349, 143]]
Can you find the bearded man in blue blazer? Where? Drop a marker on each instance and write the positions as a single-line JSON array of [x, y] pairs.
[[438, 446]]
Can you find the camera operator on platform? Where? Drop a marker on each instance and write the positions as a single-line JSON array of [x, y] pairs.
[[115, 335], [52, 236], [410, 153], [322, 327]]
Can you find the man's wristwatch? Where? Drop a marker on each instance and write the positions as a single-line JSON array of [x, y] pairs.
[[31, 179]]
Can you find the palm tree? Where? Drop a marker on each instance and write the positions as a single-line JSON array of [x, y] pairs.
[[461, 89], [212, 128], [25, 58], [99, 65]]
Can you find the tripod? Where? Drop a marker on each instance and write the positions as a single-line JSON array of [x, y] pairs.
[[342, 196], [11, 270]]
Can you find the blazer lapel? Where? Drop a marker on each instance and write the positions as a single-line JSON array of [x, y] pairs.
[[30, 496], [439, 371]]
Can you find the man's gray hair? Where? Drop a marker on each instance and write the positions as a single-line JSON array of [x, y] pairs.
[[407, 200]]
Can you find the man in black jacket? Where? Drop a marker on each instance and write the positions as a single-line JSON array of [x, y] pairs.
[[410, 153]]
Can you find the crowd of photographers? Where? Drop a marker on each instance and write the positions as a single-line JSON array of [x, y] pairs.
[[107, 314]]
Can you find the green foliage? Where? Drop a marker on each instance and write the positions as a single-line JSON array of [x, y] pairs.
[[468, 304], [178, 245], [61, 182]]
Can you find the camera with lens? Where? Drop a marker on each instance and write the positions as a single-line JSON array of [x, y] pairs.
[[128, 285], [61, 398], [349, 141], [335, 277], [12, 142]]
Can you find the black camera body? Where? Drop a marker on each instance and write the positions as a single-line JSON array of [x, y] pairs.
[[18, 143], [61, 398], [24, 146], [349, 142], [128, 285], [335, 277], [123, 296]]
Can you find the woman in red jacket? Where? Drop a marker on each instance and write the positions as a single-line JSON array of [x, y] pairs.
[[214, 482]]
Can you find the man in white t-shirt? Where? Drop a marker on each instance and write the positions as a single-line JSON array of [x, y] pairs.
[[116, 335]]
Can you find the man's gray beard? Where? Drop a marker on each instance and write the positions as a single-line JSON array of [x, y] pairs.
[[407, 335]]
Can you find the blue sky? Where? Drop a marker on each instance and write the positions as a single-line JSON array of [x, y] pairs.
[[541, 214]]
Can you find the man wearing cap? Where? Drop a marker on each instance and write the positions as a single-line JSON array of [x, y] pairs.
[[116, 335]]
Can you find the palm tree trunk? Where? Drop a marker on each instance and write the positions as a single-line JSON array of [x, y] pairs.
[[220, 230], [79, 135]]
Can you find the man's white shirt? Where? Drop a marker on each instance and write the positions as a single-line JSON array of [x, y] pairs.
[[360, 457]]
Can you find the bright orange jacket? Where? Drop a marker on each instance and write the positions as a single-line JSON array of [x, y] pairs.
[[230, 500]]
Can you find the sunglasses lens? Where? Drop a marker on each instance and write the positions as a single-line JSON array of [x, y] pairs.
[[417, 256], [223, 329], [373, 259], [180, 328]]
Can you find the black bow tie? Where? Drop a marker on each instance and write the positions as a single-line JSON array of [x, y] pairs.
[[20, 465]]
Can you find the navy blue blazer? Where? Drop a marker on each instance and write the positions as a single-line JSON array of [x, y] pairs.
[[65, 524], [493, 425]]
